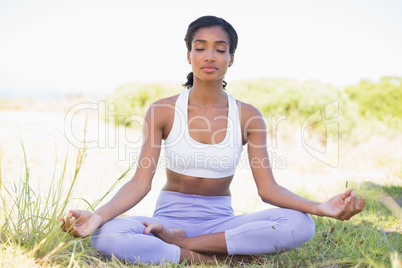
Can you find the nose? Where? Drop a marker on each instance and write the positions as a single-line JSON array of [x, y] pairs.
[[210, 56]]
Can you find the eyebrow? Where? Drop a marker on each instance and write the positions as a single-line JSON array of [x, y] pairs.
[[216, 42]]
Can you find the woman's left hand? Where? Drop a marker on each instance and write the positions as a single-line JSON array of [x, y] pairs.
[[343, 206]]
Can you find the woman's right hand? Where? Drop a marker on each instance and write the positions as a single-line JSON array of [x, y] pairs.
[[80, 223]]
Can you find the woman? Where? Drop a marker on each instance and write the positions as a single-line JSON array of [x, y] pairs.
[[204, 129]]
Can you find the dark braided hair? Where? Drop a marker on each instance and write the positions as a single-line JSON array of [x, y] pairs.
[[207, 22]]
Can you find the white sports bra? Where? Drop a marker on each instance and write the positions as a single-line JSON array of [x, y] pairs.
[[189, 157]]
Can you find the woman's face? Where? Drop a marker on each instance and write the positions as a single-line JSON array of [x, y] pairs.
[[209, 55]]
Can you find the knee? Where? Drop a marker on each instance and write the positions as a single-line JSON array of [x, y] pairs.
[[303, 226], [103, 239], [106, 237]]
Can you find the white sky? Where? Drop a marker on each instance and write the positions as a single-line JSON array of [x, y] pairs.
[[94, 46]]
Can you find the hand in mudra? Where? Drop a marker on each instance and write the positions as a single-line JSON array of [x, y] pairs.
[[80, 223], [343, 206]]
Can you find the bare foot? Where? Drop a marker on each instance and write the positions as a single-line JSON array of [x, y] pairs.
[[171, 236]]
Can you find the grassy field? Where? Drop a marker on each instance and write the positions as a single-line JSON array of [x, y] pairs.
[[48, 167]]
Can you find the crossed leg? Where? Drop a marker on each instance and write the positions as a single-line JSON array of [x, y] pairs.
[[210, 243], [126, 239], [258, 233], [141, 239]]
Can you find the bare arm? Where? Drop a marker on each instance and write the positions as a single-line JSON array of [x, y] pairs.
[[129, 195], [139, 186], [341, 207], [82, 223]]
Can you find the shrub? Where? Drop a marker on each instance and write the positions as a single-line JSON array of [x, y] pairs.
[[299, 101], [135, 98], [379, 100]]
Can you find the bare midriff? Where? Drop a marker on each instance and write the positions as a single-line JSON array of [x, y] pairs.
[[197, 185]]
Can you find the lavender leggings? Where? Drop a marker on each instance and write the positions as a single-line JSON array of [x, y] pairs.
[[257, 233]]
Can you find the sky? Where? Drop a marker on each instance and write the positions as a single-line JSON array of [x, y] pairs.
[[94, 46]]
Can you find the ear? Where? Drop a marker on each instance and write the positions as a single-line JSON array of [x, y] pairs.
[[188, 57], [231, 60]]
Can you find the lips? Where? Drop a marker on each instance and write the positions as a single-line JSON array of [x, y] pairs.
[[209, 68]]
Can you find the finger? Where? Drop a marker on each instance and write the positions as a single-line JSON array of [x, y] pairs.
[[62, 223], [344, 210], [357, 204], [362, 202], [353, 199], [66, 225], [76, 213], [71, 224], [346, 194], [74, 232], [74, 216], [69, 215], [352, 206]]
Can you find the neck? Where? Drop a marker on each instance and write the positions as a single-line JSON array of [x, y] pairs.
[[208, 92]]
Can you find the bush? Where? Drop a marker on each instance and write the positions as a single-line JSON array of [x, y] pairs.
[[135, 98], [379, 100], [299, 102]]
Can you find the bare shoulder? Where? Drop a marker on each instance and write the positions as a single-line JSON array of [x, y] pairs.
[[161, 112], [165, 101], [163, 106], [250, 116], [247, 109]]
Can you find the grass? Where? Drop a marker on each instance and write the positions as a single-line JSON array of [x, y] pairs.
[[29, 221], [31, 234]]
